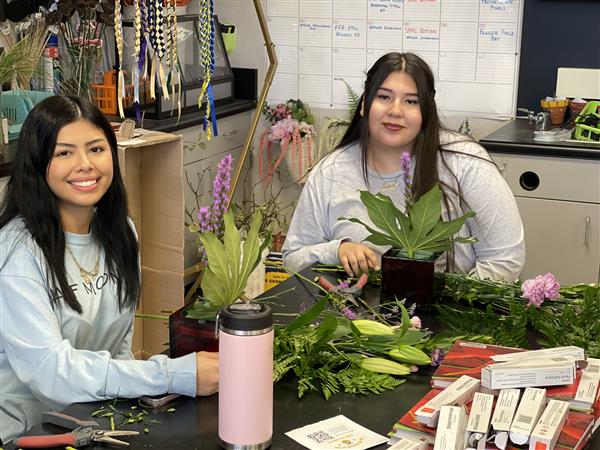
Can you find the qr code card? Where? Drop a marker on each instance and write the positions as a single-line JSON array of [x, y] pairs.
[[334, 433]]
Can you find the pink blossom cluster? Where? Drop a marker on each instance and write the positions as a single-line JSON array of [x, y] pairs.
[[278, 112], [285, 128], [540, 288]]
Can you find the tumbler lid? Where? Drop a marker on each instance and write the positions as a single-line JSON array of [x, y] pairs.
[[246, 316]]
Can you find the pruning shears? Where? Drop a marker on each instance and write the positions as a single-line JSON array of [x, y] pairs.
[[347, 292], [84, 432]]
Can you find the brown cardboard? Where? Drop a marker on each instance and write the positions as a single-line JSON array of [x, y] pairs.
[[152, 166]]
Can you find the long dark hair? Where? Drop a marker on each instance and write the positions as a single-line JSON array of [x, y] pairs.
[[427, 143], [28, 196]]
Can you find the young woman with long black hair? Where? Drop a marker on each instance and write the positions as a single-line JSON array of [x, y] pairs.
[[70, 276], [397, 114]]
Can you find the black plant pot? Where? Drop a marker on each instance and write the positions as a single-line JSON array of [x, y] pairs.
[[190, 335], [408, 278]]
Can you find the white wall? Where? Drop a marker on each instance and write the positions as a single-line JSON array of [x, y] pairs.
[[250, 53]]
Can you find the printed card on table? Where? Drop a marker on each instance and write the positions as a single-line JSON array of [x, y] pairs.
[[336, 432]]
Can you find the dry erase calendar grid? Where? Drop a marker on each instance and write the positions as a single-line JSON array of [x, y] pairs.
[[472, 46]]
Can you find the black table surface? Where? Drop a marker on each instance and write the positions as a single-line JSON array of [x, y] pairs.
[[194, 423]]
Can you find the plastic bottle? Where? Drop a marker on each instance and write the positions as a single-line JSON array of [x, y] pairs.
[[246, 376]]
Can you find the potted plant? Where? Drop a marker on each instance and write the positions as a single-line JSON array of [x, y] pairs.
[[417, 238], [230, 262]]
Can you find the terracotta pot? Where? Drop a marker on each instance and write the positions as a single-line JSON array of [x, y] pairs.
[[190, 335], [408, 278]]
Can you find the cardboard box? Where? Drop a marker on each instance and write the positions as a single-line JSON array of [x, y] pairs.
[[152, 166], [458, 393], [546, 432], [507, 403], [557, 371], [450, 433], [572, 351], [479, 421], [529, 411], [410, 444]]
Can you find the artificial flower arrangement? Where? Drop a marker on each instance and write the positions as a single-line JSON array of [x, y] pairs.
[[292, 127]]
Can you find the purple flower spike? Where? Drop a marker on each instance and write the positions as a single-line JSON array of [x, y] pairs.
[[540, 288], [407, 180]]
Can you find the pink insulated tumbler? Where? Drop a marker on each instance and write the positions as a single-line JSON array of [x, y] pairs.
[[245, 376]]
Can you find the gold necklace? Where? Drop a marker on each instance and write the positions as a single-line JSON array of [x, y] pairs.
[[388, 184], [86, 276]]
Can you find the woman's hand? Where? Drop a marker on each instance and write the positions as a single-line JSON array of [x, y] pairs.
[[357, 258], [207, 373]]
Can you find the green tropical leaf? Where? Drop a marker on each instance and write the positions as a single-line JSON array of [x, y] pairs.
[[425, 214], [308, 316], [233, 251], [250, 250], [444, 231]]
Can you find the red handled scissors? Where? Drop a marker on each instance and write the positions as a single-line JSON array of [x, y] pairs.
[[84, 433]]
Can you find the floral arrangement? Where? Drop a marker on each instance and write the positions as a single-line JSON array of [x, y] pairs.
[[419, 232], [292, 127], [81, 24]]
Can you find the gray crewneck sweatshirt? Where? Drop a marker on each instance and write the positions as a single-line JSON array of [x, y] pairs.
[[332, 191]]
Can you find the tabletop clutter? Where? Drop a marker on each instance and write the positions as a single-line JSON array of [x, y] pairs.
[[493, 399]]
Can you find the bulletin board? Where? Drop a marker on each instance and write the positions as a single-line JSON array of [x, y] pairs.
[[472, 47]]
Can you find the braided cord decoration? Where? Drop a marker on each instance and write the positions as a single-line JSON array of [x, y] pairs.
[[207, 43], [174, 74], [153, 44], [119, 39], [137, 45]]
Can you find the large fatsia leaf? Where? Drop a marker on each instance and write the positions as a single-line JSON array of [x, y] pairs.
[[444, 231], [216, 282], [233, 250], [377, 237], [425, 214], [251, 250], [381, 211]]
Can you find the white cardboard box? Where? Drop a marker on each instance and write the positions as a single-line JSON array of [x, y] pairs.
[[507, 403], [152, 167], [479, 421], [549, 426], [410, 444], [460, 392], [529, 373], [529, 411], [450, 432], [576, 353]]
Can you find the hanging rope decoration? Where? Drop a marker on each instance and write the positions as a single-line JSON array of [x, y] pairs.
[[137, 47], [173, 61], [119, 38], [206, 31]]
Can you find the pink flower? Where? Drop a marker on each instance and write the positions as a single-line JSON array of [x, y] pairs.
[[540, 288], [415, 322]]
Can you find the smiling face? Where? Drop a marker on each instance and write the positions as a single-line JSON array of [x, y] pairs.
[[395, 116], [80, 172]]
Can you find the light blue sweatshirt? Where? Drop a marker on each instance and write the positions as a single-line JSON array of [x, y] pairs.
[[50, 356]]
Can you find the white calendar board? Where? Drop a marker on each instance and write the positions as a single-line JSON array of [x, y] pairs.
[[472, 46]]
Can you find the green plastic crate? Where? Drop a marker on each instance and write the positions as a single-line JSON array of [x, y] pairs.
[[585, 132]]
